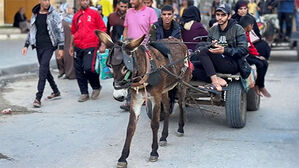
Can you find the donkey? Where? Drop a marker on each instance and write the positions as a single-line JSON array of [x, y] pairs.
[[134, 61]]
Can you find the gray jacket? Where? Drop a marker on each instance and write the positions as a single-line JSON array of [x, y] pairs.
[[54, 27], [233, 39]]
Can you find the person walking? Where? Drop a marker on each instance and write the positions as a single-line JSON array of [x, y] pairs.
[[115, 25], [285, 11], [138, 22], [84, 46], [46, 34], [66, 65]]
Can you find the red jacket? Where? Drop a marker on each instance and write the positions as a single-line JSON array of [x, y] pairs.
[[252, 50], [85, 22]]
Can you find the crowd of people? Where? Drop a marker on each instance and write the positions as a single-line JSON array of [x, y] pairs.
[[233, 34]]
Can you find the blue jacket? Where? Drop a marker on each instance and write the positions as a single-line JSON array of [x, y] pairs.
[[157, 33], [54, 27], [286, 6]]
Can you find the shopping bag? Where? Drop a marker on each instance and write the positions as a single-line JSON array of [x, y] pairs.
[[105, 71]]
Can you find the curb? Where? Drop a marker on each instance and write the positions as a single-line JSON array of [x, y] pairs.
[[13, 36], [23, 69]]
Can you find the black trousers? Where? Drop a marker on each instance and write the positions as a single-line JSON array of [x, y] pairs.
[[261, 68], [263, 48], [286, 18], [213, 63], [44, 56], [84, 62]]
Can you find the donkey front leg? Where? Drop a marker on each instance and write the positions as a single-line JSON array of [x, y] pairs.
[[165, 102], [135, 109], [155, 127]]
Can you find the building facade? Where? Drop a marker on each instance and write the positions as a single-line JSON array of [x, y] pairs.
[[8, 8]]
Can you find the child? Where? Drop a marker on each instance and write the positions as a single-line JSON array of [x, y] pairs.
[[254, 57]]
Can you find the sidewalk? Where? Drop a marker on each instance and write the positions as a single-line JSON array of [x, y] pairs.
[[8, 32], [13, 62]]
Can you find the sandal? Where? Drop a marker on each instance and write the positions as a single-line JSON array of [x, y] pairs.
[[36, 103], [54, 96]]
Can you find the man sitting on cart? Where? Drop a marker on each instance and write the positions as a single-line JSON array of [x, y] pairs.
[[228, 44]]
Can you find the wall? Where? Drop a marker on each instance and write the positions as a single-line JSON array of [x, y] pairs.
[[1, 12], [12, 6]]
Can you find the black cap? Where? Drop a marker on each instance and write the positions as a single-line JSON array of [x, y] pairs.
[[225, 8]]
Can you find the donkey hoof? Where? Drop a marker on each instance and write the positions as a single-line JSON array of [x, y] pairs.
[[163, 143], [122, 165], [179, 134], [153, 158]]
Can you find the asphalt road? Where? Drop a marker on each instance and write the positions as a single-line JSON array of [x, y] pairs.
[[68, 134]]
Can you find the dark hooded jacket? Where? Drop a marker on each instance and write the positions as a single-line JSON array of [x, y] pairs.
[[238, 17], [191, 13], [233, 39], [157, 33]]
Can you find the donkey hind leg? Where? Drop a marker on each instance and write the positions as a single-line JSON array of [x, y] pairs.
[[155, 127], [182, 94], [165, 102], [135, 109]]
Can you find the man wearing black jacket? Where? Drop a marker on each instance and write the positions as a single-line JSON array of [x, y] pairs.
[[229, 43]]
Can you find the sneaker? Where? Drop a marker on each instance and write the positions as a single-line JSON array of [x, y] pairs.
[[95, 93], [61, 75], [83, 98], [54, 96], [125, 107], [36, 103]]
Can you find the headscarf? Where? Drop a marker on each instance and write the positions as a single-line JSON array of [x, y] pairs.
[[63, 11], [192, 13], [240, 4]]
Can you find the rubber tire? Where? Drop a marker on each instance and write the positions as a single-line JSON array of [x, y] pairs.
[[235, 105], [253, 100]]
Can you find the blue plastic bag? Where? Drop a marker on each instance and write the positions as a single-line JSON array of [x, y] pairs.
[[102, 68]]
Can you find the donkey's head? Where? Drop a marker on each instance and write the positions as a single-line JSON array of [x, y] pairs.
[[121, 61]]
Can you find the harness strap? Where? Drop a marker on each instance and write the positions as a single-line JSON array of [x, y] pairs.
[[145, 77]]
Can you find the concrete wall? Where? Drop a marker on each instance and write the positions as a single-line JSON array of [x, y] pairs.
[[1, 12]]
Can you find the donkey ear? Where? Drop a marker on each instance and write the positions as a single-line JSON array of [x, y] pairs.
[[135, 43], [105, 38]]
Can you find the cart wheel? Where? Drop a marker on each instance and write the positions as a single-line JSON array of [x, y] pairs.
[[235, 105], [253, 100]]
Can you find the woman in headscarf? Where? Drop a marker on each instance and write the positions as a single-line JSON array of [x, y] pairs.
[[241, 9], [191, 26], [66, 65]]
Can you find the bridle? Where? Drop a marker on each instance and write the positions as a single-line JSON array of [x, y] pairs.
[[130, 79]]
